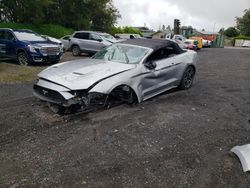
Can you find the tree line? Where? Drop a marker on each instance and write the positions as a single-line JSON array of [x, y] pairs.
[[242, 26], [99, 15]]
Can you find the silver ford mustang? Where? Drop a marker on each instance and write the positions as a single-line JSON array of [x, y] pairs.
[[130, 71]]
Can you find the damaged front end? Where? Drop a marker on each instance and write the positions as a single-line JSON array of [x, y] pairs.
[[85, 100], [60, 100]]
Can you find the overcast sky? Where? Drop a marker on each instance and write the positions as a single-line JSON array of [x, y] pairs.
[[201, 14]]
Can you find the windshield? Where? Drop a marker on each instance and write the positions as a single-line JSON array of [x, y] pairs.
[[28, 36], [108, 36], [122, 54]]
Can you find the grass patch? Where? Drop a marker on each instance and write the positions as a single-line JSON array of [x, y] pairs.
[[12, 73], [242, 37], [56, 31]]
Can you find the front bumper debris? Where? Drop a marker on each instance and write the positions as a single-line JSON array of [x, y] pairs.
[[243, 152]]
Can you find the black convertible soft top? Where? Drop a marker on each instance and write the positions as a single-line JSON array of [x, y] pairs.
[[155, 44]]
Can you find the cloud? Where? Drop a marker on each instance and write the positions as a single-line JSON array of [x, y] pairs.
[[198, 13]]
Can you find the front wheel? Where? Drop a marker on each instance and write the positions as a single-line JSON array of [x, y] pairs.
[[187, 78], [123, 94], [22, 59]]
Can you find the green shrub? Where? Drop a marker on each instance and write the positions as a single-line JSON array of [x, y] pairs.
[[231, 32], [126, 29], [45, 29], [242, 37]]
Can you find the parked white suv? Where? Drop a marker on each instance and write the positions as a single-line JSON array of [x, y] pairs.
[[177, 38], [88, 42]]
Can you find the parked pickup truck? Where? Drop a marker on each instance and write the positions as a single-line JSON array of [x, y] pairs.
[[28, 47]]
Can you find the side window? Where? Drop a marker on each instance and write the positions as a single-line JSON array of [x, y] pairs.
[[160, 54], [9, 36], [94, 36], [170, 52], [2, 35], [66, 38], [82, 36], [178, 38]]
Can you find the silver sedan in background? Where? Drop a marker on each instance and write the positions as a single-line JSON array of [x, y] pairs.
[[131, 71]]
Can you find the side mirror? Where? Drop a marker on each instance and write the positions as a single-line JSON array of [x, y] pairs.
[[150, 65], [99, 40]]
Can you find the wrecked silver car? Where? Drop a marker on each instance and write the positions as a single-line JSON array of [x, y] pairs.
[[130, 71]]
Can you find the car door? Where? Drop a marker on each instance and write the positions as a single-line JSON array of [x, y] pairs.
[[82, 39], [11, 44], [8, 44], [96, 42], [162, 77], [2, 44]]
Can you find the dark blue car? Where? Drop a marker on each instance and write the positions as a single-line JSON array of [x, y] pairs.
[[28, 47]]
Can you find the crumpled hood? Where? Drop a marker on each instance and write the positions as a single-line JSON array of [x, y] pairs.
[[82, 73]]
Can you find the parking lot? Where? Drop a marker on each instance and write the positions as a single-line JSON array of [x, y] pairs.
[[177, 139]]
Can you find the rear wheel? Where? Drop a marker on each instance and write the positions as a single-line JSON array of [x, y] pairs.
[[22, 59], [75, 51], [187, 78]]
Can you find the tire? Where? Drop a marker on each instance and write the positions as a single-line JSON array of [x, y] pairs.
[[187, 78], [75, 51], [124, 94], [22, 59], [132, 98]]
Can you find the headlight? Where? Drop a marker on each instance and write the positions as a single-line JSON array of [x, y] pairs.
[[32, 48]]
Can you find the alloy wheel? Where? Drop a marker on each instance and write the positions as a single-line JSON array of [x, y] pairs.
[[188, 77], [75, 51], [22, 59]]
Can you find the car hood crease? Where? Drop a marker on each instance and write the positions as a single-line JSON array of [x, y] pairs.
[[83, 73]]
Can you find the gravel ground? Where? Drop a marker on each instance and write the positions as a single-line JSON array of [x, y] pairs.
[[177, 139]]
